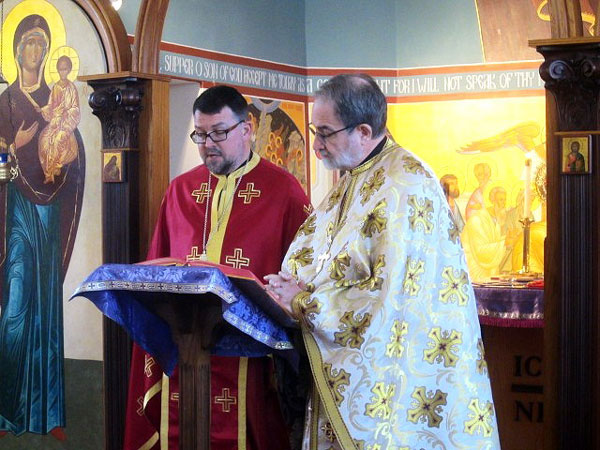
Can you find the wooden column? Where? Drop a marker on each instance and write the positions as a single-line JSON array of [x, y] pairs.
[[571, 71], [194, 322], [133, 111]]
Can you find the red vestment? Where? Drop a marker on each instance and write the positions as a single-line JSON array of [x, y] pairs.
[[256, 228]]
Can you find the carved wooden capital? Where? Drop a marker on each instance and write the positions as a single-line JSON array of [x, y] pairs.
[[573, 78], [117, 103]]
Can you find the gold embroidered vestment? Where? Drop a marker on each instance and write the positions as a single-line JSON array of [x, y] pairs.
[[390, 324]]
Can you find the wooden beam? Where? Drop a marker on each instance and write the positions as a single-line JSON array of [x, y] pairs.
[[148, 35], [154, 156]]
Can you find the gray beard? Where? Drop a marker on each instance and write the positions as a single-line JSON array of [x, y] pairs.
[[222, 168], [340, 162]]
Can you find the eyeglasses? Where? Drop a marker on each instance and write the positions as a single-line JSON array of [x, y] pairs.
[[323, 136], [215, 135]]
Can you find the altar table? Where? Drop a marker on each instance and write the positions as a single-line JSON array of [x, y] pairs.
[[512, 321]]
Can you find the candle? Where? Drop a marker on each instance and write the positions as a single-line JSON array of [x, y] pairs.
[[527, 210]]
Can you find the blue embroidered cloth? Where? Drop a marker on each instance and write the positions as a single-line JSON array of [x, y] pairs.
[[510, 307], [120, 291]]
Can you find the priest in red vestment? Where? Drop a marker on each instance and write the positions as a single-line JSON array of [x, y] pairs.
[[239, 210]]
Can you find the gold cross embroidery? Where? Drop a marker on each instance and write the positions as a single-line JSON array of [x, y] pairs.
[[202, 193], [249, 193], [194, 256], [140, 402], [237, 260], [148, 363], [174, 396], [225, 400]]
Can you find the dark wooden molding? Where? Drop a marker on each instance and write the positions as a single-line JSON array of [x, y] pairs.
[[117, 102], [118, 106], [133, 112], [154, 156], [571, 72], [573, 80]]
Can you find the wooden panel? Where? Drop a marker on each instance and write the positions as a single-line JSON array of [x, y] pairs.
[[552, 277], [514, 358], [154, 157], [572, 76], [120, 245], [117, 103], [575, 312]]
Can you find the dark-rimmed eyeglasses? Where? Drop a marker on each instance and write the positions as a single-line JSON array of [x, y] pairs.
[[324, 136], [215, 135]]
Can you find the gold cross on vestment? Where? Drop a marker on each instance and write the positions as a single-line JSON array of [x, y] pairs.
[[148, 363], [225, 400], [140, 402], [202, 193], [237, 260], [195, 256], [249, 193]]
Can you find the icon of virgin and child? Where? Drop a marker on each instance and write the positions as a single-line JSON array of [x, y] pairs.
[[39, 217]]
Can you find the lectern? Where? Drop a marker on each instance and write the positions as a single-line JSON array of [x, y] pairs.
[[177, 313]]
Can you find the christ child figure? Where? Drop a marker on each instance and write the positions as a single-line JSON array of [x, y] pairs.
[[57, 144]]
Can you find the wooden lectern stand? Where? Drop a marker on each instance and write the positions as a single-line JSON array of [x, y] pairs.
[[193, 323], [196, 303]]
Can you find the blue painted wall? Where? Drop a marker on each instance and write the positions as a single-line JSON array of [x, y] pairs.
[[272, 30], [129, 13], [327, 33], [391, 33]]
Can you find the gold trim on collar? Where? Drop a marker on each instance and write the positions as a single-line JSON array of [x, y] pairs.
[[387, 148], [224, 188]]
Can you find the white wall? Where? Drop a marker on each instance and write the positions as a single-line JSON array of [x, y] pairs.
[[183, 154], [82, 320]]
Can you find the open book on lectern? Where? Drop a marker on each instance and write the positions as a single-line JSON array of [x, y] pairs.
[[244, 280], [136, 297]]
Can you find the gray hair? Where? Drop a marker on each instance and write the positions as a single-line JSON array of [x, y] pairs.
[[357, 99]]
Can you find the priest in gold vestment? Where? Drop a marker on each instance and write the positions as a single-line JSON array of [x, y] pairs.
[[378, 280]]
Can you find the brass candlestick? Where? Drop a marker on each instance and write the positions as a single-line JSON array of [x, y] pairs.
[[525, 269]]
